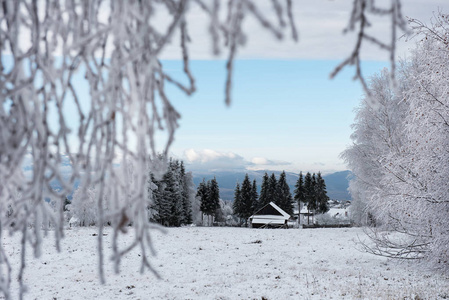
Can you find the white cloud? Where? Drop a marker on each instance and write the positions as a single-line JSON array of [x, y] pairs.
[[261, 161], [207, 155], [208, 159]]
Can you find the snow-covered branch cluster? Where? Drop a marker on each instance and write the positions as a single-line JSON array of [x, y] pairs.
[[400, 153], [84, 80], [83, 87]]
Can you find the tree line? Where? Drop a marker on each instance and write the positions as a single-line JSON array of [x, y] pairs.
[[172, 200], [309, 190]]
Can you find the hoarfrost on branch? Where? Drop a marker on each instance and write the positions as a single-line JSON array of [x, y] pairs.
[[399, 156], [109, 138]]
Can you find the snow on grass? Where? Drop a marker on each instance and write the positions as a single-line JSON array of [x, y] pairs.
[[228, 263]]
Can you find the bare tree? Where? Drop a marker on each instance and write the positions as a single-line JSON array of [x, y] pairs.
[[112, 50]]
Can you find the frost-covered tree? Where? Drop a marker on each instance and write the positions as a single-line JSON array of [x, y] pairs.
[[228, 212], [84, 211], [378, 131], [114, 48], [197, 215], [400, 153]]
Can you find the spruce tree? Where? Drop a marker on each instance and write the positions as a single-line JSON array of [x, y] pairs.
[[321, 195], [246, 194], [202, 194], [186, 203], [236, 206], [273, 189], [264, 197], [171, 199], [313, 201], [299, 191], [254, 198], [155, 204], [284, 199], [213, 198], [308, 193]]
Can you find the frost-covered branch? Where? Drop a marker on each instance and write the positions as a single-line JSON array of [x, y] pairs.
[[359, 22], [83, 87]]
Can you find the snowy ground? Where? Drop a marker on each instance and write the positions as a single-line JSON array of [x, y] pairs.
[[230, 263]]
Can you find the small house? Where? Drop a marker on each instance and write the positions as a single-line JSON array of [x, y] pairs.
[[269, 216]]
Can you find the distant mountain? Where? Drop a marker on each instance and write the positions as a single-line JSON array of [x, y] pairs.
[[337, 183]]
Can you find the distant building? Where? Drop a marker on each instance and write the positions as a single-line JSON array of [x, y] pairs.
[[306, 217], [269, 216]]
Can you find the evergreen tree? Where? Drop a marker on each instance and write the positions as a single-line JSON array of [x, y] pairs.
[[213, 198], [264, 197], [273, 189], [284, 199], [246, 194], [193, 201], [186, 202], [214, 195], [172, 199], [308, 193], [154, 206], [236, 206], [299, 191], [321, 195], [313, 201], [202, 194], [254, 198], [161, 203], [171, 196], [66, 202]]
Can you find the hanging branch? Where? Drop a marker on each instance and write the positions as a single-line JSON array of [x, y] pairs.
[[359, 21]]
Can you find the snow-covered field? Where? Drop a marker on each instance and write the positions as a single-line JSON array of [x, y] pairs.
[[229, 263]]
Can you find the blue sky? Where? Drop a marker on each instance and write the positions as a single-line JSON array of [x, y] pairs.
[[285, 114]]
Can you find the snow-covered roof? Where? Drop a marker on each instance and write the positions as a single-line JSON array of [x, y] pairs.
[[262, 213], [273, 221]]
